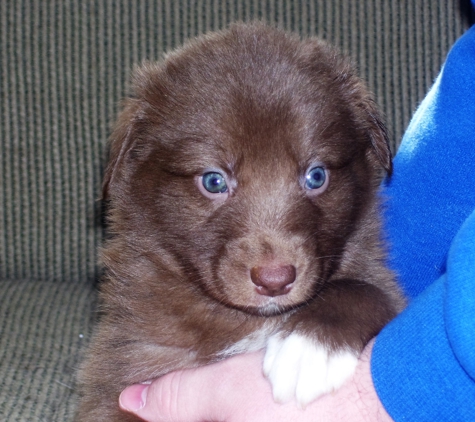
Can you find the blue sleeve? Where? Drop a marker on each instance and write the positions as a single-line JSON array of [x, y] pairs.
[[423, 362], [432, 190]]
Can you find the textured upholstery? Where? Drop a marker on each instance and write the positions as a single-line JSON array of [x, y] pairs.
[[43, 325], [64, 64]]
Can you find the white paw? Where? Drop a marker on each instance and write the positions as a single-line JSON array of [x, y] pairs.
[[300, 368]]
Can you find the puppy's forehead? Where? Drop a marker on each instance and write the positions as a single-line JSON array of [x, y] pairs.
[[253, 90]]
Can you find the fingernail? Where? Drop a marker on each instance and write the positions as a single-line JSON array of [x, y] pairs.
[[133, 398]]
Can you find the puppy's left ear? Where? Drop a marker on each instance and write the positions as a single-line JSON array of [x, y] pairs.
[[380, 139]]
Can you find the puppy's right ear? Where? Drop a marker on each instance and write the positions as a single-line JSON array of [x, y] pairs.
[[120, 142]]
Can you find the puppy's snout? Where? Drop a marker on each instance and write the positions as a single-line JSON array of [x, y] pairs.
[[273, 281]]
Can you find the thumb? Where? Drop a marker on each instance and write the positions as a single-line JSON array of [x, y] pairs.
[[174, 397]]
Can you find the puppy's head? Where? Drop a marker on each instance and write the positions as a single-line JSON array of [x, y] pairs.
[[246, 158]]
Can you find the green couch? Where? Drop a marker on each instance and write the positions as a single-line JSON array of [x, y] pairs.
[[64, 65]]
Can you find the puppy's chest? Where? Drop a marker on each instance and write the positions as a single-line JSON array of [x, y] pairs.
[[252, 342]]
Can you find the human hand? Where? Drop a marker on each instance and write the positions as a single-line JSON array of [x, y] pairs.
[[235, 390]]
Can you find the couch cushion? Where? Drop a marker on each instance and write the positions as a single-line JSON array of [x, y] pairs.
[[43, 330]]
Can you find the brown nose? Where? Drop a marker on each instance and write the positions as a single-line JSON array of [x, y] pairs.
[[273, 281]]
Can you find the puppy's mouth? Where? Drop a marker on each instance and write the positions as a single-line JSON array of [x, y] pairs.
[[272, 306], [270, 310], [268, 290]]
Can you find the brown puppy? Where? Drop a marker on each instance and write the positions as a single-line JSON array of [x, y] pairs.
[[243, 214]]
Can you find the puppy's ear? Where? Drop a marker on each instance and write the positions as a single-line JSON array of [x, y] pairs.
[[380, 142], [120, 142], [379, 137]]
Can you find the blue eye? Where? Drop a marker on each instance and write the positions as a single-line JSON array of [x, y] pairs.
[[315, 178], [214, 182]]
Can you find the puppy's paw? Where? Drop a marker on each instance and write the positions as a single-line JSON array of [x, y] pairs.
[[301, 368]]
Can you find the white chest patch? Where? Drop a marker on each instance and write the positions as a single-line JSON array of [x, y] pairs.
[[251, 343], [300, 368]]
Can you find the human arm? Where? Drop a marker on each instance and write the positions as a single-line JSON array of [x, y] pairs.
[[423, 362]]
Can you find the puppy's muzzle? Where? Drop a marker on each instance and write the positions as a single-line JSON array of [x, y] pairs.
[[273, 281]]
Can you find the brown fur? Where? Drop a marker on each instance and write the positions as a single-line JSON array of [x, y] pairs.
[[262, 106]]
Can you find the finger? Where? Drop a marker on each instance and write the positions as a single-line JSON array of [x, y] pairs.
[[174, 398]]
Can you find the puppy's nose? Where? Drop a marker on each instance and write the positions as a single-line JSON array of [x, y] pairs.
[[273, 281]]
